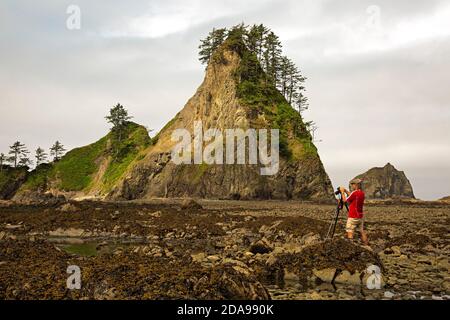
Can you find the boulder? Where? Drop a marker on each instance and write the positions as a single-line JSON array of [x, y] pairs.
[[68, 207], [325, 275], [261, 246], [190, 204]]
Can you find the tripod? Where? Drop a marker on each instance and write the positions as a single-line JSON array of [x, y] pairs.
[[339, 207]]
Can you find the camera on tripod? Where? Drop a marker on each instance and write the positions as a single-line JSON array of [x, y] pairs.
[[339, 207]]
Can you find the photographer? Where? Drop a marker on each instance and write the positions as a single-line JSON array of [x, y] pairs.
[[355, 220]]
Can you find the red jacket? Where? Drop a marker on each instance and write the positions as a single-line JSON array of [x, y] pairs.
[[356, 202]]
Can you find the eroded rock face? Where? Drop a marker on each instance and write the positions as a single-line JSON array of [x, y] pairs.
[[216, 105], [386, 183], [10, 180]]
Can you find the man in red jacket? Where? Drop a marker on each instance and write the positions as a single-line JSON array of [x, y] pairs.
[[355, 220]]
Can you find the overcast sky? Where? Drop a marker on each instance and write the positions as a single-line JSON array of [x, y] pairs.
[[378, 73]]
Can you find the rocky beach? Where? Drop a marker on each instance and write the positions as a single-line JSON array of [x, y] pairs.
[[213, 249]]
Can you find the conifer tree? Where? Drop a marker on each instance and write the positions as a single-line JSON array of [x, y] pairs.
[[2, 160], [118, 117], [25, 162], [16, 152], [265, 45], [272, 55], [40, 156], [208, 45], [57, 151]]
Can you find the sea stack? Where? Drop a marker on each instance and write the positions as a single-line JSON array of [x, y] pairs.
[[228, 99], [386, 183]]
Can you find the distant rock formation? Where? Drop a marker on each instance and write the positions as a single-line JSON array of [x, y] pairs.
[[386, 183], [445, 199]]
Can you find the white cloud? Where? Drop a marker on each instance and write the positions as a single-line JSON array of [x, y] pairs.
[[370, 33], [174, 16]]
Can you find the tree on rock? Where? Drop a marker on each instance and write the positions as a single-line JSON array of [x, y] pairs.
[[272, 56], [40, 156], [118, 117], [255, 39], [208, 45], [266, 47], [25, 162], [16, 152], [312, 127], [57, 151]]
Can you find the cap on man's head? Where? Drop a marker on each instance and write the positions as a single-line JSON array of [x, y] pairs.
[[356, 181]]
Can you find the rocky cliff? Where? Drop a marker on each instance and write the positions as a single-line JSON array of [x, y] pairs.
[[230, 97], [385, 183], [10, 181]]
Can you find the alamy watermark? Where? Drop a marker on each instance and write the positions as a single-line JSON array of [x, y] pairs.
[[373, 22], [73, 21], [373, 282], [74, 280], [241, 147]]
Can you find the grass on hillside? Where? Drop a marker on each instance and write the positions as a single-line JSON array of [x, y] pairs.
[[127, 151], [75, 171]]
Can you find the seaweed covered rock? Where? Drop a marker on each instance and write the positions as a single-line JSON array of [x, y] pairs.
[[326, 261], [122, 275], [337, 253]]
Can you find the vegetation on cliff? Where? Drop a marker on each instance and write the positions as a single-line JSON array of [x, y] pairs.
[[249, 84], [78, 169], [266, 84]]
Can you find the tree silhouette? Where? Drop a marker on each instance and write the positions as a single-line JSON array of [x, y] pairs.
[[25, 162], [208, 45], [57, 151], [2, 161], [40, 156], [16, 152], [118, 117]]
